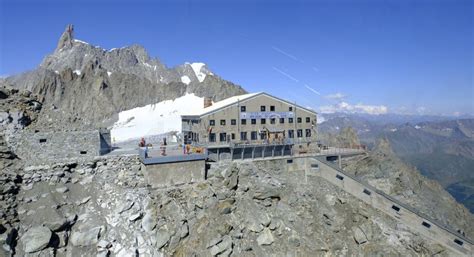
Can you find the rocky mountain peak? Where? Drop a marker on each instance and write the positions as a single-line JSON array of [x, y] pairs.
[[383, 147], [66, 39]]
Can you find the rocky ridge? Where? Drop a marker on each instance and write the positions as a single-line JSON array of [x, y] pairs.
[[385, 171], [86, 86]]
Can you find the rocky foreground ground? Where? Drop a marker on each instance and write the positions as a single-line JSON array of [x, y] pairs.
[[104, 207]]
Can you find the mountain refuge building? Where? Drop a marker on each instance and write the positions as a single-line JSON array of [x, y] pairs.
[[256, 118]]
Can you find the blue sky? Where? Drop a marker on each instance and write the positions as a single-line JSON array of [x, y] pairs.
[[373, 56]]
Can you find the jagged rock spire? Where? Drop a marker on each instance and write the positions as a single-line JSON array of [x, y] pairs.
[[66, 39]]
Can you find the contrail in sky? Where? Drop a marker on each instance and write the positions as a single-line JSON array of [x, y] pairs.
[[285, 53], [312, 89], [286, 74]]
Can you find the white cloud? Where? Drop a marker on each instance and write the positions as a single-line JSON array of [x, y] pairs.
[[421, 110], [357, 108], [337, 96]]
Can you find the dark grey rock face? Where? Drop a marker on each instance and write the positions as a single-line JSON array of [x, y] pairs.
[[86, 86]]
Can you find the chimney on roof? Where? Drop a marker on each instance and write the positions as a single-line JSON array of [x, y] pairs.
[[207, 102]]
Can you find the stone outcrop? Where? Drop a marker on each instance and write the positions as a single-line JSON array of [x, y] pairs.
[[66, 39]]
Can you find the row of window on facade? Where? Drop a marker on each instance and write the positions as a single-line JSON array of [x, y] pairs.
[[263, 108], [254, 135], [262, 121]]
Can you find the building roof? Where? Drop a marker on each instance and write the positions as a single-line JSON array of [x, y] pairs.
[[233, 100]]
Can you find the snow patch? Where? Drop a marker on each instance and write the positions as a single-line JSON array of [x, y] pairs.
[[57, 72], [109, 73], [393, 130], [78, 72], [154, 119], [80, 41], [197, 66], [417, 127], [113, 49], [186, 80]]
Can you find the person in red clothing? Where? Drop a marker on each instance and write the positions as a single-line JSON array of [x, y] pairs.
[[142, 142]]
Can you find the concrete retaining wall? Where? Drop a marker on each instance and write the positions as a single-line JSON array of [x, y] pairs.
[[44, 147], [174, 173], [392, 207]]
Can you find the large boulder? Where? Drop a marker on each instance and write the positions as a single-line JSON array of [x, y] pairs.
[[86, 237], [359, 236], [265, 238], [36, 239]]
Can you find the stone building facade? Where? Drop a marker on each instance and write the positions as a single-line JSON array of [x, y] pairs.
[[45, 146], [256, 118]]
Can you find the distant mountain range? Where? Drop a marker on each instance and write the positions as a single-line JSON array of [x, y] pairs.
[[85, 85], [441, 148]]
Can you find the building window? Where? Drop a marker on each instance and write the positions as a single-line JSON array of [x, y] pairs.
[[243, 121], [243, 109], [426, 224], [263, 136], [212, 122], [233, 122], [83, 152], [262, 121], [291, 133], [262, 108], [396, 208], [272, 121], [290, 120], [222, 122], [290, 109], [253, 121], [222, 137], [232, 136], [212, 137], [459, 242], [308, 132], [308, 120], [253, 135], [243, 135], [299, 120], [272, 108], [282, 120], [42, 140], [299, 133]]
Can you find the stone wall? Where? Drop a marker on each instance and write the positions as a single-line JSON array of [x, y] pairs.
[[175, 173], [44, 147]]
